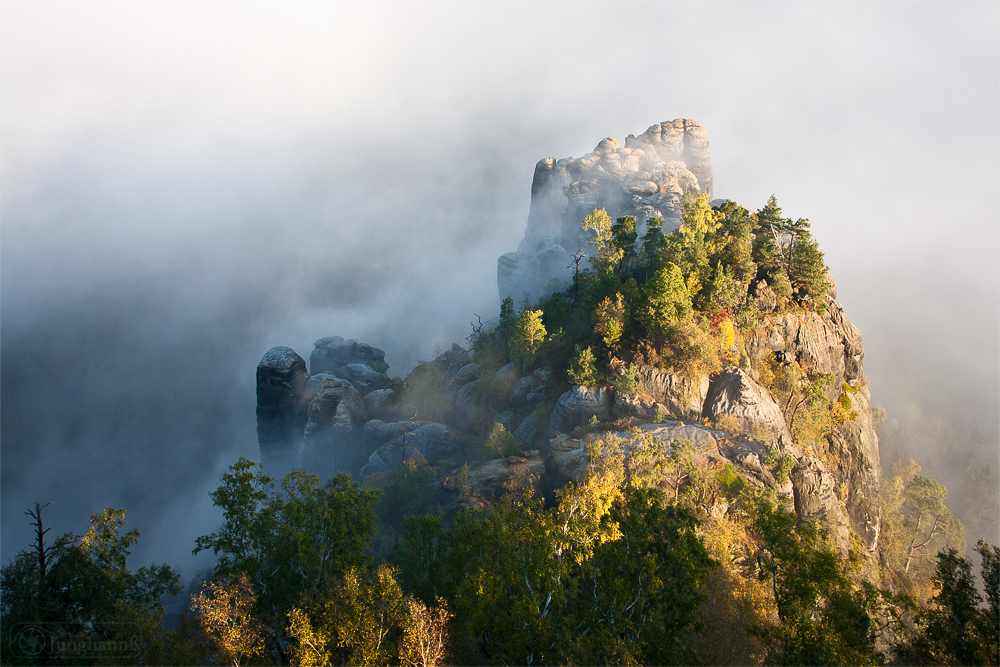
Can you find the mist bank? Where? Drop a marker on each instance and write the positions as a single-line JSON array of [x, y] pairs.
[[128, 369], [173, 204]]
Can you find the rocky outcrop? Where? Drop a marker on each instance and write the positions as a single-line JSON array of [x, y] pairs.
[[830, 343], [336, 416], [640, 406], [333, 353], [679, 396], [383, 404], [809, 488], [827, 343], [735, 395], [363, 378], [315, 422], [490, 480], [435, 442], [577, 406], [646, 177], [855, 464], [281, 415], [815, 499], [837, 484]]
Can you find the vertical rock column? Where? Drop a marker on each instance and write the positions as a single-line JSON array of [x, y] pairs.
[[281, 417]]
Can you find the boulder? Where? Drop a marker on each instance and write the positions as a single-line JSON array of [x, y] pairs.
[[490, 480], [436, 442], [377, 432], [640, 406], [736, 395], [577, 406], [333, 352], [467, 413], [527, 393], [465, 375], [281, 415], [565, 460], [382, 404], [527, 432], [813, 492], [505, 380], [363, 378], [679, 396], [642, 188], [336, 417], [767, 300]]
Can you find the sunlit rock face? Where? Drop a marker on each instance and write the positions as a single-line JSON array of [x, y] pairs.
[[647, 177]]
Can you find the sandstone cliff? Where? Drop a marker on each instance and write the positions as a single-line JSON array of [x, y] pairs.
[[347, 415], [646, 177]]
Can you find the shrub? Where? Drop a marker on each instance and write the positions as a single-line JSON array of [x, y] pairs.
[[583, 368], [500, 443], [780, 464], [626, 383]]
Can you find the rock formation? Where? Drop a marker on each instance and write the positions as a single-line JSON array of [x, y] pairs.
[[281, 413], [646, 177], [346, 415], [316, 422]]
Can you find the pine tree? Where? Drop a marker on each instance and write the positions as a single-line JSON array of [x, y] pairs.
[[582, 368], [806, 269], [652, 243], [623, 236]]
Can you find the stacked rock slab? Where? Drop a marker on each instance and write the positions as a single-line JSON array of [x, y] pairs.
[[281, 416], [646, 177], [315, 422]]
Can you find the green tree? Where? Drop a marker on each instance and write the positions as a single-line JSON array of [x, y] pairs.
[[806, 268], [225, 612], [653, 241], [610, 324], [916, 524], [693, 244], [606, 255], [583, 368], [623, 237], [293, 542], [955, 630], [722, 294], [824, 619], [82, 586], [529, 334], [667, 300], [737, 252], [769, 227], [639, 594]]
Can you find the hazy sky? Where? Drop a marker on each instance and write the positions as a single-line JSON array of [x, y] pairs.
[[184, 185]]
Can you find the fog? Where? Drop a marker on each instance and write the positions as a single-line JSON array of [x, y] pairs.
[[184, 186]]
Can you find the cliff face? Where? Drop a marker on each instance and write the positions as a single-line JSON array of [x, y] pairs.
[[347, 416], [830, 343], [835, 482], [646, 177]]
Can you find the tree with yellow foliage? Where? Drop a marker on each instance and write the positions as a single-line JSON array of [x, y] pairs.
[[606, 256], [225, 611], [425, 636]]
